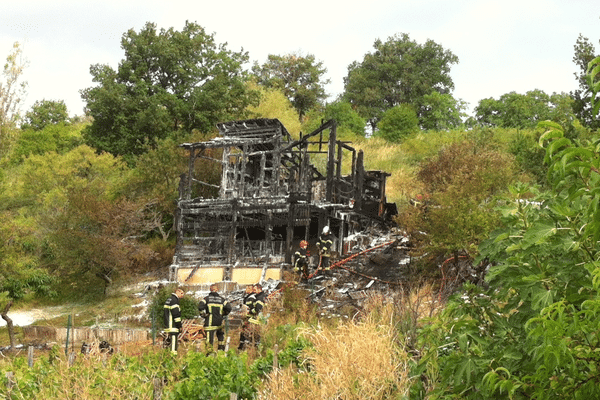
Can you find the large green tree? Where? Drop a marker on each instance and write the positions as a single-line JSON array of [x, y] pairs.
[[44, 113], [398, 71], [299, 77], [86, 227], [441, 111], [584, 54], [515, 110], [170, 82]]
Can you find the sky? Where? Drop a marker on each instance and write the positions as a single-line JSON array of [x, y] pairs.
[[502, 46]]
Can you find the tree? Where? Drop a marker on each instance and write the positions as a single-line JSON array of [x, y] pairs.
[[12, 92], [274, 104], [441, 112], [458, 183], [98, 238], [168, 84], [91, 230], [399, 71], [153, 184], [346, 118], [594, 83], [44, 113], [515, 110], [584, 54], [299, 77], [53, 137], [534, 333], [398, 122], [20, 272]]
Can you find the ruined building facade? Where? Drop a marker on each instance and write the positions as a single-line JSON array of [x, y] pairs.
[[253, 193]]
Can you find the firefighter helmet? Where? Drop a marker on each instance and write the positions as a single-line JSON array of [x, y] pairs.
[[303, 244], [326, 230]]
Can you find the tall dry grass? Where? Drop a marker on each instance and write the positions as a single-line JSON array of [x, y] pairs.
[[357, 359]]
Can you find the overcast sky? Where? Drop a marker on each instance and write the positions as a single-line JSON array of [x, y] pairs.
[[502, 46]]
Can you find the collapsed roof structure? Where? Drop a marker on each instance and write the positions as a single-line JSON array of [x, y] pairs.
[[253, 193]]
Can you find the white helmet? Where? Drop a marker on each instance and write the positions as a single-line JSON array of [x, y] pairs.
[[326, 230]]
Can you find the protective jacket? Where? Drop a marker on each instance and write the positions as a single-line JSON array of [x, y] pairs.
[[214, 308], [325, 243], [248, 301], [172, 314], [301, 260], [257, 308]]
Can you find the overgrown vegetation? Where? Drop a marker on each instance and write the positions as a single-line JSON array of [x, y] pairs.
[[516, 193]]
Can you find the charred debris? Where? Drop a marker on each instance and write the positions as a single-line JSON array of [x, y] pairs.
[[272, 191]]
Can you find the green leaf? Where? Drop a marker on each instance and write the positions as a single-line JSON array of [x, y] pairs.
[[538, 233], [463, 374], [557, 144], [542, 298]]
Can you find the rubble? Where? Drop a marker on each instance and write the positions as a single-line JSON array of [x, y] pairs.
[[274, 191]]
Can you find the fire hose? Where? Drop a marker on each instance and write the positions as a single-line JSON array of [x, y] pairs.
[[340, 263]]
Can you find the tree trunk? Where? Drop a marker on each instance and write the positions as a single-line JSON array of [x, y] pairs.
[[9, 323], [106, 278]]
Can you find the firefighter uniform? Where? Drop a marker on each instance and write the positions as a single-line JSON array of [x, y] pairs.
[[214, 308], [256, 314], [301, 261], [172, 319], [247, 304], [325, 243]]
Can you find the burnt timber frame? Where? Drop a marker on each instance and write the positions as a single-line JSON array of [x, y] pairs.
[[270, 196]]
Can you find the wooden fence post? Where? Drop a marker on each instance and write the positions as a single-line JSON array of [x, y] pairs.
[[71, 358], [275, 361], [30, 356], [157, 392], [67, 341], [9, 381]]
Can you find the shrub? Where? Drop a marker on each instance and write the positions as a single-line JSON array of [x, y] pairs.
[[398, 122], [188, 305]]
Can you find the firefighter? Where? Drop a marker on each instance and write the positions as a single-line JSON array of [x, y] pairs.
[[172, 318], [255, 314], [247, 304], [214, 308], [301, 261], [325, 243]]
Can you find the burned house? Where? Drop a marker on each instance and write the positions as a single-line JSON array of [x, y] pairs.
[[272, 191]]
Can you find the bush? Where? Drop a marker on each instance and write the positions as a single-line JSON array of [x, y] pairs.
[[459, 184], [398, 122], [215, 378], [188, 305]]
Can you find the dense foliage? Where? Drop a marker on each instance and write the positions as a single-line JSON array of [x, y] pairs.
[[534, 333], [518, 191], [299, 77], [398, 122], [44, 113], [398, 71], [514, 110], [169, 83], [584, 54]]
